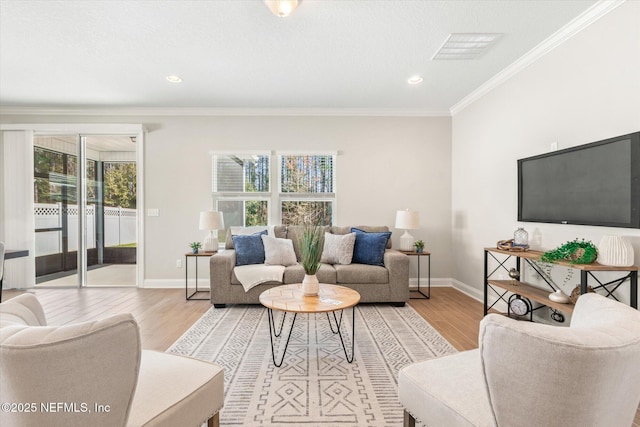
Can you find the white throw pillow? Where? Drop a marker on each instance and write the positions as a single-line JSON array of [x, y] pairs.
[[338, 248], [278, 251]]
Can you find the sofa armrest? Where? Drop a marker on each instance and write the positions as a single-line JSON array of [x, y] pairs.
[[220, 267], [398, 265]]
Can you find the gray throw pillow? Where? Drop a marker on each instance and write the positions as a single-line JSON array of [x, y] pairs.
[[338, 248], [278, 251]]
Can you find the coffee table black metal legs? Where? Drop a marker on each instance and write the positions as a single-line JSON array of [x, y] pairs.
[[338, 331], [275, 332]]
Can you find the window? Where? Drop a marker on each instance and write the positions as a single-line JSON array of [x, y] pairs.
[[305, 184], [241, 188], [306, 189]]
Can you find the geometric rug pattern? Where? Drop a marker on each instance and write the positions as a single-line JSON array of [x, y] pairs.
[[315, 386]]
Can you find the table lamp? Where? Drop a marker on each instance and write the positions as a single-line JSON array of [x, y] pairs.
[[212, 221], [407, 220]]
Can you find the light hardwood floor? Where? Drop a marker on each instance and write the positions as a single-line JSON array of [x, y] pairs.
[[163, 314]]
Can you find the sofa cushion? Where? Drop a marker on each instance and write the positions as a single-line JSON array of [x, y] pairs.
[[370, 247], [368, 228], [295, 274], [249, 249], [338, 249], [361, 273], [278, 251], [279, 231]]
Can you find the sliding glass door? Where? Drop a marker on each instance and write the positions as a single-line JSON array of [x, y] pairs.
[[75, 228]]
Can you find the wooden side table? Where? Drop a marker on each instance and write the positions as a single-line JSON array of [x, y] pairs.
[[421, 254], [186, 275]]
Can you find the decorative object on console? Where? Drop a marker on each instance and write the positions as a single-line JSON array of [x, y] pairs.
[[310, 253], [281, 8], [515, 276], [559, 296], [419, 246], [521, 238], [576, 252], [212, 221], [508, 245], [615, 251], [407, 220], [195, 246], [575, 293]]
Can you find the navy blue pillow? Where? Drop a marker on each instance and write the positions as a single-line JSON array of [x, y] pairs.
[[370, 247], [249, 248]]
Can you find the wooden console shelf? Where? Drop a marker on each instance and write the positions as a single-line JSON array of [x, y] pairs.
[[541, 295], [533, 293]]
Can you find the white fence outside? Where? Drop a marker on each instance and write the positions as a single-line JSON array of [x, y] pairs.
[[119, 227]]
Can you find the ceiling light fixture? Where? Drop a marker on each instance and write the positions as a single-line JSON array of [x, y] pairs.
[[174, 79], [414, 80], [282, 8]]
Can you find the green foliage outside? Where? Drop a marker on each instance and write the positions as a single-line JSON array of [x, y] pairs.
[[120, 185], [55, 180]]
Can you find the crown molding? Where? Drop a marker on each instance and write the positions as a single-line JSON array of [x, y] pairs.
[[582, 21], [161, 111]]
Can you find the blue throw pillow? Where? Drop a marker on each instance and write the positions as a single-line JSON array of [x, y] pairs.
[[249, 248], [370, 247]]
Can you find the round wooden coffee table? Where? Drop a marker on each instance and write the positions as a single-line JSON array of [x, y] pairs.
[[290, 299]]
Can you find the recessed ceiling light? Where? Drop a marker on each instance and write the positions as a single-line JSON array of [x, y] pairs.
[[414, 80], [174, 79]]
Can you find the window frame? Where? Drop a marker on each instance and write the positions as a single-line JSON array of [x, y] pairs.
[[275, 196]]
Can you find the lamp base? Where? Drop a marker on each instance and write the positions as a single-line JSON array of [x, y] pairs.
[[406, 241], [210, 242]]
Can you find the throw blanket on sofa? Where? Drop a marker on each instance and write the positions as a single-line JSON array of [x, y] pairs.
[[253, 274]]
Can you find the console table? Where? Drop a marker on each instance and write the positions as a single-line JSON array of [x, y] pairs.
[[186, 274], [534, 293]]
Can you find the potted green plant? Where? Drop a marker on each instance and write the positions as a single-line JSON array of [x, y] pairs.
[[419, 246], [195, 246], [310, 252]]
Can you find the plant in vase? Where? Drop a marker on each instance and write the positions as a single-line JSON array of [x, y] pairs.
[[195, 246], [419, 246], [310, 252]]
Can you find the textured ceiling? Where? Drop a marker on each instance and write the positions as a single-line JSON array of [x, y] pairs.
[[330, 54]]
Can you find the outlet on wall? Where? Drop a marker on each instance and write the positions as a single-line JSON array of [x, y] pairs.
[[553, 146], [178, 263]]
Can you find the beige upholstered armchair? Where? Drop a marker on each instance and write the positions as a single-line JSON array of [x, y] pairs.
[[95, 374], [531, 374]]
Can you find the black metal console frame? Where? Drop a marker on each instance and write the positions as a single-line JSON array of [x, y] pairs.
[[632, 276]]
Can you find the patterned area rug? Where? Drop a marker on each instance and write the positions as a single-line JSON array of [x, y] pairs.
[[315, 386]]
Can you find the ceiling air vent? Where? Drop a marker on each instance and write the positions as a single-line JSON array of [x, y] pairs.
[[466, 45]]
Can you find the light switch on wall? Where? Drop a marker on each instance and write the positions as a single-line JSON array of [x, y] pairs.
[[153, 212]]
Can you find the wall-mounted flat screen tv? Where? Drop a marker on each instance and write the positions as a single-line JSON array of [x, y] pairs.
[[591, 184]]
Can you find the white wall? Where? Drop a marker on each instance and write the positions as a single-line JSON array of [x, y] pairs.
[[585, 90], [384, 164]]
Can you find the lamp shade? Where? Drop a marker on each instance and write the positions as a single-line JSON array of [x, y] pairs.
[[407, 220], [211, 220]]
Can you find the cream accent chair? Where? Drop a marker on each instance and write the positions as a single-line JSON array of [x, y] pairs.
[[531, 374], [66, 370]]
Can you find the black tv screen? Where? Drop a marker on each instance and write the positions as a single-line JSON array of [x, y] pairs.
[[591, 184]]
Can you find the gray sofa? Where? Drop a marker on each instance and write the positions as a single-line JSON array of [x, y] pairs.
[[376, 284]]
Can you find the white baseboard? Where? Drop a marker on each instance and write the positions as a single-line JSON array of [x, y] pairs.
[[170, 283]]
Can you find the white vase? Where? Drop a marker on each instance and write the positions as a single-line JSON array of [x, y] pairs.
[[310, 285], [559, 296], [615, 251]]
